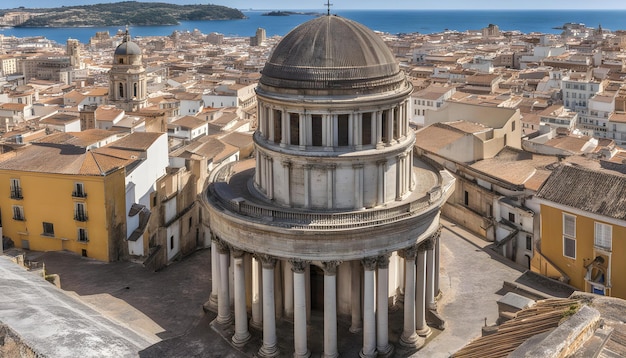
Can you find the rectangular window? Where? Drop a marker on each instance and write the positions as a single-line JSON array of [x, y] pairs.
[[294, 128], [366, 129], [466, 197], [80, 212], [18, 213], [316, 130], [512, 217], [603, 238], [385, 127], [16, 189], [529, 243], [79, 190], [342, 130], [278, 126], [82, 235], [569, 236], [48, 229]]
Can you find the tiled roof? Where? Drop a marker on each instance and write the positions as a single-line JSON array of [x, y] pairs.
[[595, 192], [139, 141]]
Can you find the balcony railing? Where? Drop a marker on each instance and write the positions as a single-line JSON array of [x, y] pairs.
[[80, 216], [320, 221], [16, 193], [79, 194]]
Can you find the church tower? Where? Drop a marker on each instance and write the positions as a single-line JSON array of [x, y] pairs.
[[127, 78]]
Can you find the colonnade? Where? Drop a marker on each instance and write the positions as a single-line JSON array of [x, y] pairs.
[[369, 307], [379, 127]]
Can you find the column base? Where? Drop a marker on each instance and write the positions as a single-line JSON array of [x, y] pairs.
[[241, 340], [355, 329], [256, 325], [305, 355], [224, 320], [324, 355], [411, 341], [365, 355], [385, 352], [424, 332], [211, 304], [269, 352]]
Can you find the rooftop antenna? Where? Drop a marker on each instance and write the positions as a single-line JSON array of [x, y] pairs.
[[328, 5]]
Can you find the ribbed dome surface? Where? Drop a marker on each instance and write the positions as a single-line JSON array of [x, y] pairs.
[[128, 48], [331, 52]]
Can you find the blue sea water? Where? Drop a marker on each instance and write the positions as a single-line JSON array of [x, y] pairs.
[[391, 21]]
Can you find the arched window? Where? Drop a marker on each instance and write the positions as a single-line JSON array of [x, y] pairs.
[[121, 90]]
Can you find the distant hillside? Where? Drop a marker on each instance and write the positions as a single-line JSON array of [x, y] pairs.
[[125, 13]]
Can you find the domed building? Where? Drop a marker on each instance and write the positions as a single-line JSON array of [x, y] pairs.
[[333, 214], [127, 77]]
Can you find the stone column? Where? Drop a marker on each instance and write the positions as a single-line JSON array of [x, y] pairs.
[[215, 274], [287, 179], [379, 129], [437, 238], [330, 178], [257, 171], [355, 298], [382, 312], [430, 275], [409, 338], [420, 293], [369, 317], [242, 336], [399, 177], [270, 346], [223, 296], [288, 289], [358, 185], [303, 130], [271, 121], [270, 178], [307, 185], [299, 315], [380, 195], [330, 309], [284, 121], [257, 294]]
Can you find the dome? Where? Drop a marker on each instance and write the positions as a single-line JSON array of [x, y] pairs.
[[332, 53], [128, 48]]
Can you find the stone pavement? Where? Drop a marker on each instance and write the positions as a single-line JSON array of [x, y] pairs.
[[168, 303]]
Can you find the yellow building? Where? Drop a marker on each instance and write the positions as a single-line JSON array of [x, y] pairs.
[[583, 226], [64, 197]]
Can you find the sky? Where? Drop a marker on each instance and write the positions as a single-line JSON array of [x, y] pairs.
[[356, 4]]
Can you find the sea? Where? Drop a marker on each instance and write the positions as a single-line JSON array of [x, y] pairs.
[[389, 21]]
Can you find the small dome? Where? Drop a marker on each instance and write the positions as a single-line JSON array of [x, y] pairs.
[[128, 48], [332, 53]]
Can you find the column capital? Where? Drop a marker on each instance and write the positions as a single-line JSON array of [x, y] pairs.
[[383, 261], [427, 244], [436, 235], [222, 246], [307, 166], [267, 261], [330, 267], [298, 266], [381, 162], [410, 252], [369, 263], [358, 166], [236, 252], [286, 163]]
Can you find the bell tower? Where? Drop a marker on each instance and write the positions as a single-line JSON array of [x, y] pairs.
[[127, 77]]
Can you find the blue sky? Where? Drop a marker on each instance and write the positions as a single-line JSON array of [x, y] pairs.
[[357, 4]]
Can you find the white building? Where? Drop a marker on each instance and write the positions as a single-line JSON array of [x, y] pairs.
[[336, 199]]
